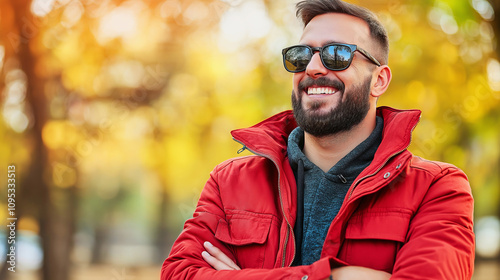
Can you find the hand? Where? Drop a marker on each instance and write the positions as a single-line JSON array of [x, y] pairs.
[[359, 273], [217, 259]]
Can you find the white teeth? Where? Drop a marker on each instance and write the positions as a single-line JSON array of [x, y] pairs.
[[316, 91]]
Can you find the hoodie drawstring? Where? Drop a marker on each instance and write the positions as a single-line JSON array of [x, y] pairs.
[[299, 222]]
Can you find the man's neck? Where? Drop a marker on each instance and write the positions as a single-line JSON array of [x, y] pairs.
[[327, 151]]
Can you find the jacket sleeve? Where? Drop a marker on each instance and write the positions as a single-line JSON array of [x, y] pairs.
[[185, 261], [440, 241]]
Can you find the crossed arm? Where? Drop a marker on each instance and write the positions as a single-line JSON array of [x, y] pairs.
[[440, 242], [219, 261]]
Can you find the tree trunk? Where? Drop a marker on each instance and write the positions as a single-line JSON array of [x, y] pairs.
[[56, 233], [496, 24], [162, 233]]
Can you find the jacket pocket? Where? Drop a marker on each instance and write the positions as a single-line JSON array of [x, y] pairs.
[[246, 234], [374, 237]]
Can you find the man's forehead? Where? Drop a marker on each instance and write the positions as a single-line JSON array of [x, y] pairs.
[[335, 28]]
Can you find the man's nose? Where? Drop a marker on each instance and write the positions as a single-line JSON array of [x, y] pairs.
[[315, 68]]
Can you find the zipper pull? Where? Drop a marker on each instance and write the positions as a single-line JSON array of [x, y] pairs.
[[241, 150], [342, 178]]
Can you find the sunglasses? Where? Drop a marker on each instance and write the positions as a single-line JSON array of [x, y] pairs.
[[335, 57]]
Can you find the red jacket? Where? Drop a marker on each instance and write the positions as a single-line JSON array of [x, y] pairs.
[[405, 215]]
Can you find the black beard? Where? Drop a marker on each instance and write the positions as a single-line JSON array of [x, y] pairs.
[[349, 112]]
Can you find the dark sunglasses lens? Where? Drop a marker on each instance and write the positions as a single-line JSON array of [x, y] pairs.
[[297, 58], [337, 57]]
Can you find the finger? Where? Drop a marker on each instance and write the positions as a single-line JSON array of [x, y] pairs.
[[214, 262], [219, 255]]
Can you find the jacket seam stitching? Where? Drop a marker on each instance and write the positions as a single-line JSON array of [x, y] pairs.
[[251, 214], [220, 196], [228, 162], [207, 212]]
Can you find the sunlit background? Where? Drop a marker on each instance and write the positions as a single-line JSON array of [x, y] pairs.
[[114, 113]]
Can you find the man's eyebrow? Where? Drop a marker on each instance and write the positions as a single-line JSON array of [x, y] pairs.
[[333, 42], [326, 43]]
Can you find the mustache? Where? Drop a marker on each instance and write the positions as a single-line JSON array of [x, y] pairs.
[[321, 82]]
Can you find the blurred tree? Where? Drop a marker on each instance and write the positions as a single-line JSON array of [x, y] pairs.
[[496, 23], [34, 195]]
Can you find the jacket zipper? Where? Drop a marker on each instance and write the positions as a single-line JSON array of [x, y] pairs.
[[382, 165], [349, 197], [281, 199]]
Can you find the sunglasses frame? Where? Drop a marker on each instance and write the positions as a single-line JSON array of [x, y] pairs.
[[352, 47]]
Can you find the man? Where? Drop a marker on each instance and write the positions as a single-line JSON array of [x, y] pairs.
[[339, 196]]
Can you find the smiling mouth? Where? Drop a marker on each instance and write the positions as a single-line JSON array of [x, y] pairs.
[[321, 90]]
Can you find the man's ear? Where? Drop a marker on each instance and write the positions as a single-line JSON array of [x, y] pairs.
[[383, 76]]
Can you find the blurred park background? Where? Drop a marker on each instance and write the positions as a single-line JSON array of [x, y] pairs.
[[114, 112]]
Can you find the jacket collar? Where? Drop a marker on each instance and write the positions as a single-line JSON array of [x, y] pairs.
[[269, 137], [397, 134]]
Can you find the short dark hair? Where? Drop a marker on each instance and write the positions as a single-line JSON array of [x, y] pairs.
[[308, 9]]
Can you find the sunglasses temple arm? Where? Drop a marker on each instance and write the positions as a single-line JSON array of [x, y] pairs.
[[367, 55]]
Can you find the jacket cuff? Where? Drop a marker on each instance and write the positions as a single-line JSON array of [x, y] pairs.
[[334, 263], [322, 269]]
